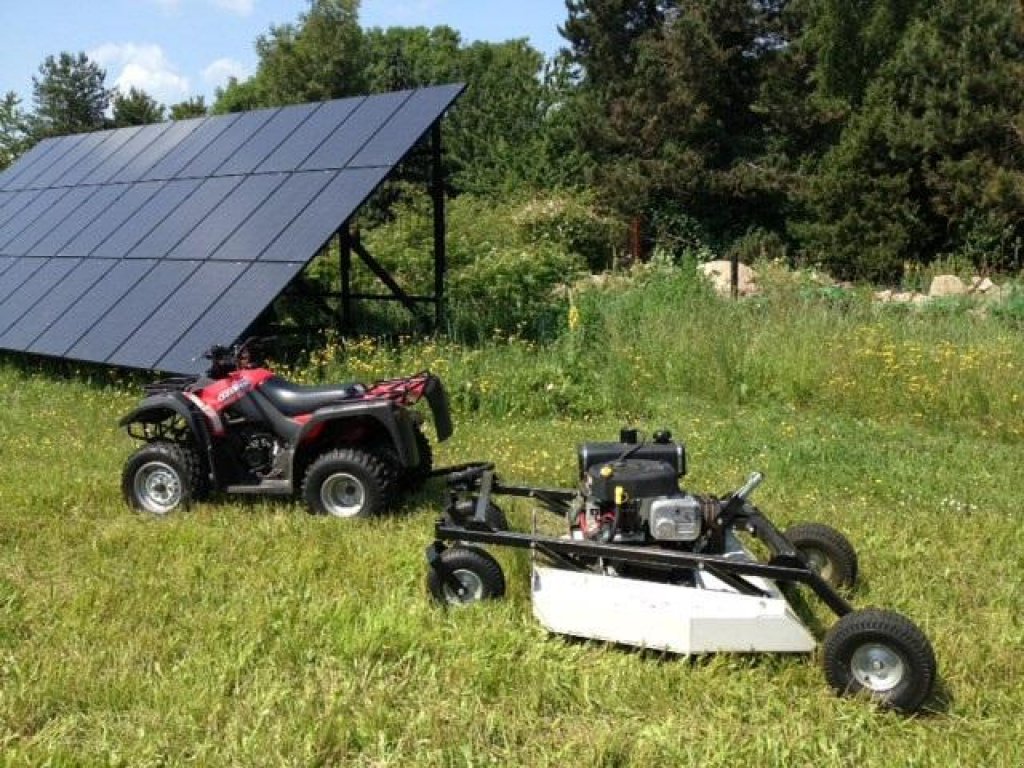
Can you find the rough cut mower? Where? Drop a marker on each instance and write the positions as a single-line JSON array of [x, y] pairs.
[[646, 563], [349, 449]]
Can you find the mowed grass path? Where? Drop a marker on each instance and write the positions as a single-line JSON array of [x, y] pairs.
[[258, 635]]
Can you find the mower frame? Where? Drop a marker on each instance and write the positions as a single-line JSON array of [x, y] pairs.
[[786, 565]]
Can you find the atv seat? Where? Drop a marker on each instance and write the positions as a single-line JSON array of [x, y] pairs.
[[295, 399]]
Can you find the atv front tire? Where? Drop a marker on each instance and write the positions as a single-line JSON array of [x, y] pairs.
[[882, 654], [348, 483], [160, 477], [478, 575]]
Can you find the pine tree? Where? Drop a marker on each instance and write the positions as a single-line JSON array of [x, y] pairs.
[[136, 108], [14, 129], [195, 106], [70, 96], [931, 163]]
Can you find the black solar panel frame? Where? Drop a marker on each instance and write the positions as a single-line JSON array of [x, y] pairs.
[[187, 229]]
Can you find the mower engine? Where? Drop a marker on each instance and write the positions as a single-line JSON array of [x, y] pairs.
[[630, 494]]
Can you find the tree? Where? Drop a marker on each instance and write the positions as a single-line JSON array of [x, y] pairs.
[[193, 107], [136, 108], [14, 130], [932, 161], [668, 111], [70, 96], [317, 58]]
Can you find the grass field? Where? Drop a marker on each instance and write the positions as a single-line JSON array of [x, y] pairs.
[[258, 635]]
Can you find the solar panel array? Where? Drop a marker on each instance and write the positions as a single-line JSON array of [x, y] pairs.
[[143, 246]]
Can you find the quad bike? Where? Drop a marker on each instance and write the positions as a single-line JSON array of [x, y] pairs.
[[349, 449], [648, 564]]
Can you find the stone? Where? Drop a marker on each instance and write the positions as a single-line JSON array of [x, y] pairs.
[[720, 275], [946, 285]]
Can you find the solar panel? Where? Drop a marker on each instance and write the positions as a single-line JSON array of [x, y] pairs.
[[142, 246]]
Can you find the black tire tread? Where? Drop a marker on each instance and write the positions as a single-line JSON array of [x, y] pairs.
[[854, 629], [378, 470], [472, 559], [834, 544], [179, 455]]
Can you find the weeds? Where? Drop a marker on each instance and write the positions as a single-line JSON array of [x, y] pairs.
[[255, 634]]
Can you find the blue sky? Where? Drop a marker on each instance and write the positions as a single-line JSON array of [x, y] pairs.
[[179, 48]]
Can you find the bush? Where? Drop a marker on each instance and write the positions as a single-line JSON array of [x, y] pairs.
[[504, 262], [511, 291], [575, 224]]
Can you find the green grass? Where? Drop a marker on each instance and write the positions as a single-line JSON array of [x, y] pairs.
[[256, 634]]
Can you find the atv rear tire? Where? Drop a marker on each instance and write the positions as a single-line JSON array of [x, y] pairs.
[[827, 551], [478, 574], [882, 654], [348, 483], [160, 477]]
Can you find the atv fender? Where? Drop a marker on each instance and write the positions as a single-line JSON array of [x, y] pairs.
[[437, 399], [155, 408], [396, 423]]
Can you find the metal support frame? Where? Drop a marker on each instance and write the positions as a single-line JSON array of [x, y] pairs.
[[440, 251], [349, 243]]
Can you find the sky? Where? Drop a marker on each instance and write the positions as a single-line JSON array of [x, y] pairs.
[[175, 49]]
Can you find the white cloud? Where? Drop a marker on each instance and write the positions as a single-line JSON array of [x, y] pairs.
[[241, 7], [219, 71], [142, 66]]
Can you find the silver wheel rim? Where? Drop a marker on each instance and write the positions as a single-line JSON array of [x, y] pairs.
[[819, 562], [343, 495], [472, 588], [157, 487], [877, 667]]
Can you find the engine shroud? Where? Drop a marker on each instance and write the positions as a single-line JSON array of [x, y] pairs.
[[594, 454], [638, 478]]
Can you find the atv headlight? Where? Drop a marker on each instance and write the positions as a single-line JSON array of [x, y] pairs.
[[675, 519]]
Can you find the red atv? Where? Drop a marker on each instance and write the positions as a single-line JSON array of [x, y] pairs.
[[349, 449]]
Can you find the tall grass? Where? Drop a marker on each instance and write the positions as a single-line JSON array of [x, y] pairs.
[[663, 335], [254, 634]]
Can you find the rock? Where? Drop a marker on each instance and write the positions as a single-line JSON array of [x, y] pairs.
[[946, 285], [985, 287], [903, 297], [720, 275], [883, 296]]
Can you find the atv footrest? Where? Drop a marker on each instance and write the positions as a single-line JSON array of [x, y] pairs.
[[272, 487]]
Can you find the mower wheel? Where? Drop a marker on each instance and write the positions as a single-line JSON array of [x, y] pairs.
[[478, 574], [494, 515], [160, 477], [882, 654], [348, 483], [827, 551]]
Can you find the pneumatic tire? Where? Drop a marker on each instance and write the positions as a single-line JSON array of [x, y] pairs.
[[348, 483], [161, 477], [827, 551], [477, 573], [881, 654]]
